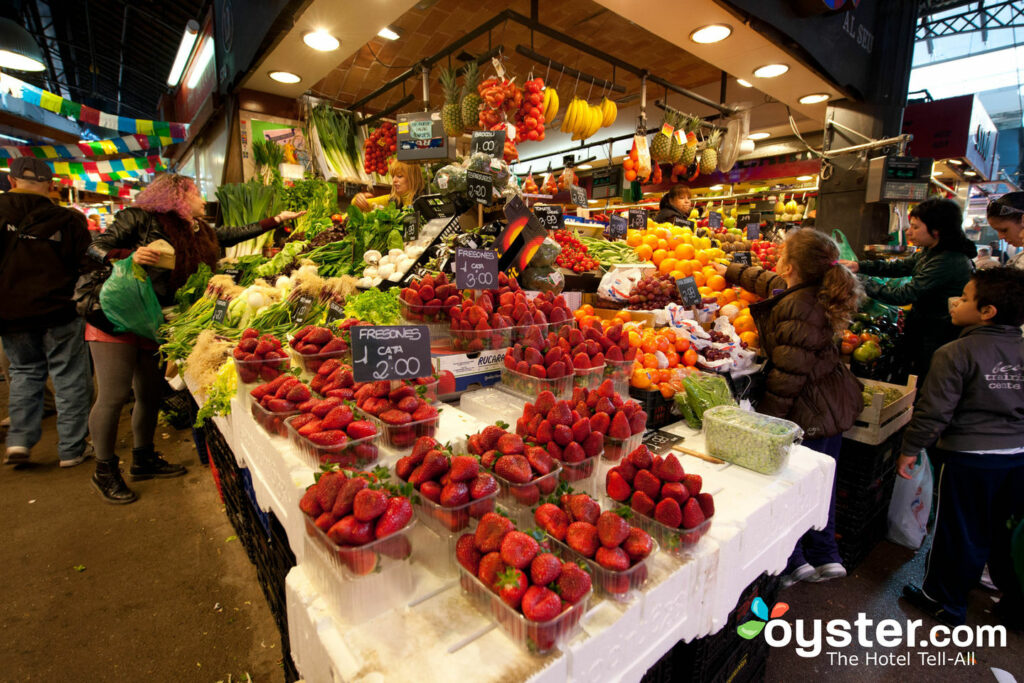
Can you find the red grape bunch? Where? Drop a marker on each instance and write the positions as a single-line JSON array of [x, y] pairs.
[[654, 291]]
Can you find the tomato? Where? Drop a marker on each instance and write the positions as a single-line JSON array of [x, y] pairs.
[[690, 357], [866, 337]]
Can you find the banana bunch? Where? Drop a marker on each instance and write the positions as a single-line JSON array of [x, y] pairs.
[[550, 105], [583, 119]]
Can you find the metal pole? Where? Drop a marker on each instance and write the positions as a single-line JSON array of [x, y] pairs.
[[887, 142]]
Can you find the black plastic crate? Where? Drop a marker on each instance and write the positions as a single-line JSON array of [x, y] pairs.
[[861, 464], [855, 505], [658, 408], [179, 408], [856, 543]]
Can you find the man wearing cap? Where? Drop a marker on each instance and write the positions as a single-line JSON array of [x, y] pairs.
[[41, 248]]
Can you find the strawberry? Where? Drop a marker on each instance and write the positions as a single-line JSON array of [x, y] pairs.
[[627, 470], [286, 386], [325, 406], [593, 444], [552, 519], [431, 490], [612, 529], [490, 435], [582, 537], [491, 531], [327, 489], [338, 418], [642, 503], [527, 495], [545, 402], [369, 504], [454, 494], [707, 504], [540, 460], [614, 559], [250, 333], [693, 483], [328, 366], [619, 427], [409, 404], [310, 504], [648, 483], [638, 544], [404, 467], [262, 348], [560, 414], [426, 411], [669, 469], [511, 586], [604, 405], [638, 422], [300, 421], [616, 487], [325, 521], [483, 485], [328, 437], [360, 429], [467, 554], [693, 516], [279, 405], [541, 604], [489, 458], [545, 568], [395, 417], [464, 468], [343, 503], [641, 457], [510, 444], [581, 361], [676, 491], [583, 508], [599, 422], [396, 515], [573, 453], [545, 432], [562, 435], [318, 336], [351, 531], [513, 468], [422, 446], [298, 393], [518, 549], [668, 513], [573, 583], [490, 566]]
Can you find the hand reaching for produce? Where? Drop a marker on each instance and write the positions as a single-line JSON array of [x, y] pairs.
[[360, 201], [906, 466], [287, 216], [145, 256], [851, 265]]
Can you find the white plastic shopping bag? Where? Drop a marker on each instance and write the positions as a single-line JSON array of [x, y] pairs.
[[910, 506]]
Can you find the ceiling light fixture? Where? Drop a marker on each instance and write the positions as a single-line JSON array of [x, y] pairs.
[[804, 178], [771, 70], [970, 174], [18, 49], [814, 98], [188, 40], [584, 167], [955, 162], [936, 172], [716, 188], [745, 83], [199, 66], [712, 33], [321, 41], [284, 77], [759, 136], [388, 33]]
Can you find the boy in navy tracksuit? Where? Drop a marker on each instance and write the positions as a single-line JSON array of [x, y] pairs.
[[970, 417]]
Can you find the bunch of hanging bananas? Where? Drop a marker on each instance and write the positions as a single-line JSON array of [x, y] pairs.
[[550, 105], [583, 119]]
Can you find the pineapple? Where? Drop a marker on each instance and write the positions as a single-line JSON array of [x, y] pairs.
[[682, 122], [451, 114], [661, 144], [470, 97], [689, 152], [709, 155]]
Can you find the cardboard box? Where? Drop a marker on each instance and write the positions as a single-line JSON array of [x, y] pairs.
[[471, 370]]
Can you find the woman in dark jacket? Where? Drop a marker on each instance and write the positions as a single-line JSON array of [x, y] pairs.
[[168, 209], [938, 273], [810, 298], [675, 203]]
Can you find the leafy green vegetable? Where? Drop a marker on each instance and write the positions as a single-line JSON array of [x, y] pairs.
[[218, 400], [193, 288], [375, 306], [288, 253]]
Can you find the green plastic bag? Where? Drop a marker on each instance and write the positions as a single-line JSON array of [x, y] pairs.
[[129, 302], [846, 251]]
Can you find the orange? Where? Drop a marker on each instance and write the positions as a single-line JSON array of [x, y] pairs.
[[645, 252], [666, 390], [648, 345], [705, 291], [744, 323], [698, 277], [748, 296], [624, 316], [684, 251], [650, 239], [634, 339], [702, 256], [716, 282], [695, 265], [634, 238], [587, 309], [663, 244], [750, 339], [682, 345], [677, 275], [685, 268], [690, 357], [728, 296], [650, 361], [640, 379], [662, 233], [659, 256], [667, 265]]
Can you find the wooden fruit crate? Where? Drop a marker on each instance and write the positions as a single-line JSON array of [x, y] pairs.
[[877, 422]]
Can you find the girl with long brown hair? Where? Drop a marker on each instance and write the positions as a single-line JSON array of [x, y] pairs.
[[406, 185], [809, 299]]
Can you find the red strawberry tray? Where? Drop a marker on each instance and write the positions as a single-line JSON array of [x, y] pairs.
[[615, 449], [619, 372], [675, 542], [537, 638], [481, 339], [589, 378], [358, 453], [401, 437], [582, 475], [530, 386], [519, 499], [446, 520], [257, 370], [616, 585], [273, 423]]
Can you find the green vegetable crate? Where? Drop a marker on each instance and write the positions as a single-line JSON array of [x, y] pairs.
[[879, 420]]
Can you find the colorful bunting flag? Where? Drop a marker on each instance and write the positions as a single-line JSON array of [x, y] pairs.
[[128, 144], [113, 169]]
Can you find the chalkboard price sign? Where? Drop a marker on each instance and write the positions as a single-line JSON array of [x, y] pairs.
[[476, 268], [753, 231], [233, 273], [489, 142], [578, 195], [390, 352], [660, 442], [480, 186], [741, 257], [617, 227], [638, 219], [682, 222], [220, 310], [302, 309], [687, 287], [550, 216], [335, 311], [714, 220]]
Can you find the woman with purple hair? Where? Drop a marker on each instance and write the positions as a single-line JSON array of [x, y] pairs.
[[169, 209]]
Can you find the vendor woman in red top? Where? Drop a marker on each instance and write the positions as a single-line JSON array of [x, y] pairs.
[[171, 209]]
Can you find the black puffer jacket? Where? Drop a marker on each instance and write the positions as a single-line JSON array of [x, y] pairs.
[[134, 228], [805, 380]]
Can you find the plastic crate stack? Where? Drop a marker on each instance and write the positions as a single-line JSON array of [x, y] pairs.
[[723, 657], [866, 475], [660, 410]]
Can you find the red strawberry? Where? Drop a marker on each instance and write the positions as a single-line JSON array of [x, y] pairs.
[[707, 504], [360, 429], [599, 422], [250, 333], [513, 468], [668, 513], [573, 583], [395, 417], [279, 405], [648, 483], [491, 565], [369, 504], [557, 369], [395, 517], [343, 503], [454, 494], [489, 458], [593, 444], [638, 544], [325, 406], [641, 457], [627, 470], [560, 414], [518, 549], [582, 537], [464, 468], [490, 436], [693, 483], [483, 485], [669, 469], [619, 427], [583, 508], [511, 585], [545, 568], [615, 559], [616, 487], [338, 418], [530, 494], [676, 491], [300, 421], [491, 531], [552, 519], [298, 393], [431, 490], [422, 446], [325, 521], [510, 444], [309, 503], [327, 489], [467, 554], [540, 460], [581, 361], [545, 432], [612, 529], [693, 516], [638, 422], [541, 604], [426, 411], [574, 453], [329, 437], [562, 435], [580, 430], [642, 503], [545, 402], [351, 531]]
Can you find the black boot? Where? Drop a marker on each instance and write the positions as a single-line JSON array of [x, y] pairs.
[[147, 464], [109, 483]]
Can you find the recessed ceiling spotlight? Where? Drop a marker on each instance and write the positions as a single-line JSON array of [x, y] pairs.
[[321, 40], [712, 33], [759, 136], [745, 83], [814, 99], [584, 167], [716, 188], [771, 70], [970, 174], [284, 77], [388, 33], [955, 162]]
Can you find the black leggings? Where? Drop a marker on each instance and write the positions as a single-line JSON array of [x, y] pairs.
[[119, 369]]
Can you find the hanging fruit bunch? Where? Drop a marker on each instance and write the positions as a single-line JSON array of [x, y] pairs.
[[470, 104], [379, 147], [583, 119], [530, 185], [550, 104], [656, 177], [567, 179], [550, 184], [631, 165], [529, 118], [709, 154], [451, 112], [500, 98], [661, 143]]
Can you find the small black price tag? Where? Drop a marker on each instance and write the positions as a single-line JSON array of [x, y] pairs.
[[682, 222], [476, 268], [480, 186], [687, 287], [550, 216], [335, 311], [638, 219], [233, 273], [489, 142], [578, 196], [301, 310], [411, 227], [753, 231], [390, 352], [660, 442], [617, 226], [714, 220], [220, 309], [741, 257]]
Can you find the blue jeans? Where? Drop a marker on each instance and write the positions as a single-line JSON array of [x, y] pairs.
[[820, 547], [60, 352]]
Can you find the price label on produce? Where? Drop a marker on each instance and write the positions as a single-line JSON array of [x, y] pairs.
[[489, 142], [550, 216], [660, 442], [682, 222], [390, 352], [578, 196], [233, 273], [687, 287], [714, 220], [476, 268], [638, 219], [302, 308], [335, 311], [753, 231], [480, 186], [617, 226], [741, 257], [220, 309]]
